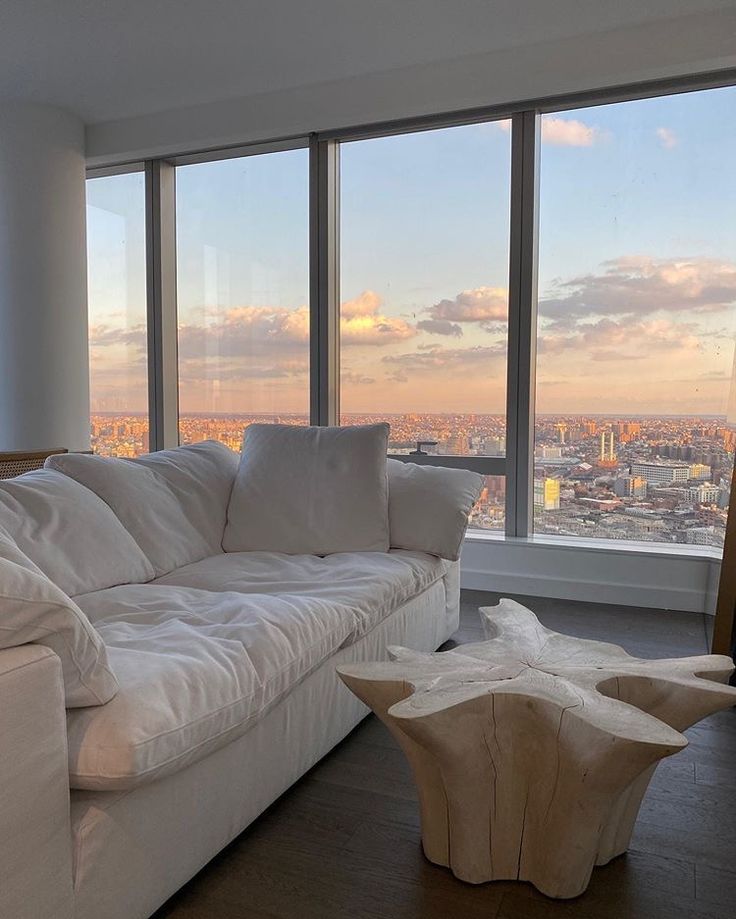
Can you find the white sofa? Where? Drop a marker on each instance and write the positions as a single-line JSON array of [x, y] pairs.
[[224, 665]]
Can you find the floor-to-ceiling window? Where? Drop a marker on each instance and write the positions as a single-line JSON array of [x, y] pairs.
[[116, 245], [635, 398], [634, 407], [424, 256], [242, 255]]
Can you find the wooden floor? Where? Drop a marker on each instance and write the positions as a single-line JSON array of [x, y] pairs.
[[344, 842]]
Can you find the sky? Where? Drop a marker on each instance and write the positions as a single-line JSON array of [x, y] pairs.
[[637, 270]]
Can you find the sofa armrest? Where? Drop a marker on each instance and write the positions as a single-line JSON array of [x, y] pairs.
[[428, 507], [35, 832]]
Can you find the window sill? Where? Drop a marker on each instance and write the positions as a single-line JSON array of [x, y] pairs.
[[617, 546]]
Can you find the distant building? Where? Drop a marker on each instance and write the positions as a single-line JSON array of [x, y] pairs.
[[494, 446], [546, 494], [704, 494], [456, 445], [545, 453], [661, 473], [700, 536], [630, 486], [700, 471]]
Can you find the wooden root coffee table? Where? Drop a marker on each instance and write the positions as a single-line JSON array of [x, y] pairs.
[[531, 751]]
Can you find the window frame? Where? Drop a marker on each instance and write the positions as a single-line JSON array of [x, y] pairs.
[[324, 283]]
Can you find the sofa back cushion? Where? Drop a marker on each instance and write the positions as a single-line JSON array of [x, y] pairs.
[[429, 505], [310, 491], [69, 533], [173, 503], [32, 609]]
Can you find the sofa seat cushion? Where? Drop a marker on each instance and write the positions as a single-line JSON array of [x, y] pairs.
[[370, 584], [198, 665], [195, 669]]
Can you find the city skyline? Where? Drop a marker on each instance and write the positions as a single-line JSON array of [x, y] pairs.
[[641, 478]]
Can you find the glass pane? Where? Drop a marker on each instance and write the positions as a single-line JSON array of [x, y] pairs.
[[243, 286], [424, 273], [636, 405], [116, 260]]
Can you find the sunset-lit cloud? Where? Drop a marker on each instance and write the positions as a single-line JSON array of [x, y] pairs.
[[641, 285], [480, 304], [623, 339], [104, 335], [564, 132], [568, 132], [437, 360], [355, 379], [362, 323], [366, 303], [440, 327]]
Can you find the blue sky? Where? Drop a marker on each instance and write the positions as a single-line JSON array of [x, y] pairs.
[[637, 269]]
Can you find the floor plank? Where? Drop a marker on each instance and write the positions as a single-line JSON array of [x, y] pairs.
[[345, 841]]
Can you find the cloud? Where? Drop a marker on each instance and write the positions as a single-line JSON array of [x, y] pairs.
[[479, 304], [568, 132], [202, 370], [435, 359], [667, 138], [624, 339], [563, 132], [641, 285], [361, 322], [246, 331], [355, 379], [102, 336], [366, 304], [440, 327]]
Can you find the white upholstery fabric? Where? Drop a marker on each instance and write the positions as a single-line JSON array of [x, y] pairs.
[[134, 850], [369, 584], [35, 850], [429, 507], [173, 503], [32, 609], [73, 536], [197, 667], [310, 491]]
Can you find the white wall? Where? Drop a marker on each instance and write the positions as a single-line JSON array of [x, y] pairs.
[[44, 386], [680, 46]]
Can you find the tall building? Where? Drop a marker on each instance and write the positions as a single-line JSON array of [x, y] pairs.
[[546, 494]]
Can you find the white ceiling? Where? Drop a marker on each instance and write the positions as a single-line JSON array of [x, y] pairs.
[[110, 59]]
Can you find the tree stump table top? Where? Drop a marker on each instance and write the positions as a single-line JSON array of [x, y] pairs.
[[532, 750]]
